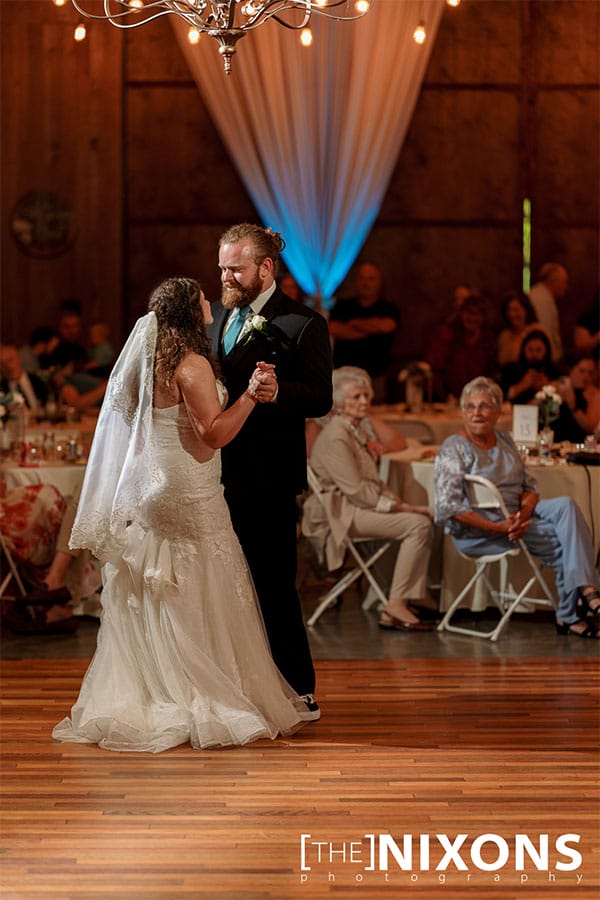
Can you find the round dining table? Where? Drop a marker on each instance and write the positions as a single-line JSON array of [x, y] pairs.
[[434, 422], [65, 476]]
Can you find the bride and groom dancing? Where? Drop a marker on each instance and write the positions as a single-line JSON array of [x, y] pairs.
[[184, 653]]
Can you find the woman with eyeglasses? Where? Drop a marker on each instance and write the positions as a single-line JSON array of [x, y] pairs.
[[553, 530]]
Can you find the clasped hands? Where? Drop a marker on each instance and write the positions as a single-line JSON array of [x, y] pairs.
[[263, 383], [516, 525]]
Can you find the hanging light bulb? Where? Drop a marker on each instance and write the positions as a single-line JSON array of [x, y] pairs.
[[193, 35], [419, 34], [227, 21], [59, 2], [80, 32], [453, 2], [306, 37]]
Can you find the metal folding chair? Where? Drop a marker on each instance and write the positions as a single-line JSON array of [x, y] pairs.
[[364, 563], [12, 573], [483, 494]]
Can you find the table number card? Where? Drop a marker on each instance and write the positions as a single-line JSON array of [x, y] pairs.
[[525, 424]]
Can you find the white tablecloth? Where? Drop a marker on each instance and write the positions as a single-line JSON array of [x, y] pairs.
[[438, 421], [64, 476], [412, 478]]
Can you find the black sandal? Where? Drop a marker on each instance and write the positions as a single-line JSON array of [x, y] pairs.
[[588, 632], [584, 602]]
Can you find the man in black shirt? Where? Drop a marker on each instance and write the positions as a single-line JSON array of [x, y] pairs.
[[364, 327]]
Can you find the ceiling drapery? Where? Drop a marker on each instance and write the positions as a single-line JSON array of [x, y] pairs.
[[315, 132]]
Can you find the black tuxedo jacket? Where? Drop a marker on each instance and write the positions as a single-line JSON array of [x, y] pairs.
[[270, 450], [39, 388]]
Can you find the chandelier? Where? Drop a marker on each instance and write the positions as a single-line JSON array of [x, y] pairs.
[[228, 20]]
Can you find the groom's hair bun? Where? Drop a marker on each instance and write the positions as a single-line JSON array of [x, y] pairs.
[[267, 243]]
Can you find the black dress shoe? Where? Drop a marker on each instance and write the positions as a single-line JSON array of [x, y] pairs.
[[44, 597], [391, 623]]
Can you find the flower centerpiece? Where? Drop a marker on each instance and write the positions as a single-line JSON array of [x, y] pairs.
[[12, 418], [417, 375], [548, 402]]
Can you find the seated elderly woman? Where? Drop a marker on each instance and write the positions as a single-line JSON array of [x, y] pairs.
[[344, 462], [381, 437], [553, 530]]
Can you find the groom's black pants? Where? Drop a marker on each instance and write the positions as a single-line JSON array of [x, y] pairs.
[[265, 523]]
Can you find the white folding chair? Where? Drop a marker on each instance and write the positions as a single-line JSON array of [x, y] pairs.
[[363, 564], [13, 571], [483, 494]]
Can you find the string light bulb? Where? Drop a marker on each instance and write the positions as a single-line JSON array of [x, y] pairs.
[[419, 34], [306, 37], [227, 21], [193, 36], [453, 3], [80, 32], [59, 2]]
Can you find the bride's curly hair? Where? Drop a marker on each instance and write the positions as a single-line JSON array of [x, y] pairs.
[[181, 328]]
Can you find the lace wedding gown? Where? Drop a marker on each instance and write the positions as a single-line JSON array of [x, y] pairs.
[[182, 653]]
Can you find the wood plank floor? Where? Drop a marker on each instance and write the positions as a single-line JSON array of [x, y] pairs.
[[432, 747]]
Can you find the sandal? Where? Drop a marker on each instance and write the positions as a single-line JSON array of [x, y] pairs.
[[584, 602], [587, 632]]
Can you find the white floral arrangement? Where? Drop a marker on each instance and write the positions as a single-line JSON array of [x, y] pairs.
[[418, 368], [252, 325], [548, 401], [9, 403]]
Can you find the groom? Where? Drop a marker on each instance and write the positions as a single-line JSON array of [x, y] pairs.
[[264, 467]]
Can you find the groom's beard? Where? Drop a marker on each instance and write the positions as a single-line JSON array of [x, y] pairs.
[[233, 296]]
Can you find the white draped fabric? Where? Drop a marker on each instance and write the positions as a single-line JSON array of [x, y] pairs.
[[315, 132]]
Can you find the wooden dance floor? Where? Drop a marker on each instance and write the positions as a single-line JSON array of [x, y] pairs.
[[472, 759]]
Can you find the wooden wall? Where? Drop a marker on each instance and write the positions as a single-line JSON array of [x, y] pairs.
[[509, 108], [61, 124]]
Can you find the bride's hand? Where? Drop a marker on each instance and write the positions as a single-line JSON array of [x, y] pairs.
[[263, 383]]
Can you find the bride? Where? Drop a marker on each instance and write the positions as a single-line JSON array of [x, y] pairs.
[[182, 653]]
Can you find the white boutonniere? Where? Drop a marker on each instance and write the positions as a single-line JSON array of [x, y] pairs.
[[252, 325]]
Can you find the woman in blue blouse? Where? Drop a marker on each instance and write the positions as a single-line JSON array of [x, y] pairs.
[[553, 530]]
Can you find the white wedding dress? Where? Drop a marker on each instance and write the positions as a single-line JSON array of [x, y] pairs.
[[182, 653]]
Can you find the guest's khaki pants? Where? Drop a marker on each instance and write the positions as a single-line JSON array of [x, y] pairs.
[[414, 533]]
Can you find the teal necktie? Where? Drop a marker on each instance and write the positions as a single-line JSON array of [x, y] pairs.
[[232, 333]]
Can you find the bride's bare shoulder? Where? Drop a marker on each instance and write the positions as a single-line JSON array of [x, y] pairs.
[[192, 368]]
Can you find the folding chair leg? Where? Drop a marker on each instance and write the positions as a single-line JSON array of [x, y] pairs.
[[329, 599], [13, 573]]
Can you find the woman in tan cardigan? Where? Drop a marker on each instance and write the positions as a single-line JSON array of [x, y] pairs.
[[361, 504]]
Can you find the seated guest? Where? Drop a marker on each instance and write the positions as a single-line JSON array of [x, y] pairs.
[[579, 413], [462, 348], [101, 354], [14, 378], [364, 505], [553, 530], [522, 380], [518, 314], [83, 395], [34, 354], [37, 522], [381, 437], [587, 331]]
